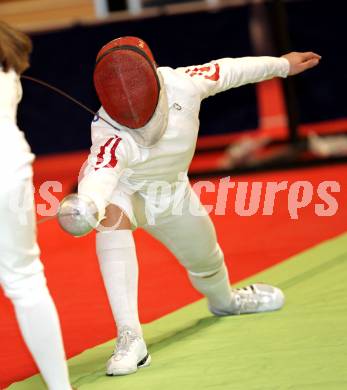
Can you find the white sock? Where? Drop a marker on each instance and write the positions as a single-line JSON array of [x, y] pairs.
[[119, 268], [216, 288], [40, 328]]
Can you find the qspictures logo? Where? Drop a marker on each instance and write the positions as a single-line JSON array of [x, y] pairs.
[[256, 197], [218, 197]]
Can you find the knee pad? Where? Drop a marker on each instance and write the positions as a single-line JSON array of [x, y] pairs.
[[28, 290], [206, 266]]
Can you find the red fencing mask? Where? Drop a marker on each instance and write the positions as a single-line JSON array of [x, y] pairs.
[[126, 81]]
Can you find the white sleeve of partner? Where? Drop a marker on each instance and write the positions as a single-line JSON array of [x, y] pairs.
[[11, 94], [15, 155], [107, 160], [223, 74]]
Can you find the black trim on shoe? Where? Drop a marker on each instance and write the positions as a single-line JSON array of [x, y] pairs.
[[143, 361]]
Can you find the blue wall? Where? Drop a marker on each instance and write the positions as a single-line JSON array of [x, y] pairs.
[[320, 26], [66, 58]]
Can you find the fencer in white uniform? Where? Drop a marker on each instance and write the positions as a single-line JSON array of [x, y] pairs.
[[142, 169], [21, 271]]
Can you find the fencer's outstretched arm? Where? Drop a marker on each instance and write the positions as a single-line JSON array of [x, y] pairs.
[[223, 74]]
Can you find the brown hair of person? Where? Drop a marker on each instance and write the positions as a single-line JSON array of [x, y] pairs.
[[15, 48]]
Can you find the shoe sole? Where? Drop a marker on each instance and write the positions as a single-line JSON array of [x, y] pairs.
[[145, 362]]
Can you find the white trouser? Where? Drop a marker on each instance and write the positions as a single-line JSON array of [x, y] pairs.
[[21, 271]]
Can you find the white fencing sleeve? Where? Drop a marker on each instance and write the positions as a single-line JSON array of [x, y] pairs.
[[223, 74], [106, 162]]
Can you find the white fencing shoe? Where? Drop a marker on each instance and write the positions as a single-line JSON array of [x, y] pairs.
[[129, 355], [255, 298]]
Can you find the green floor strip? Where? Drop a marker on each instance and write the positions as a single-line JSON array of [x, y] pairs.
[[303, 346]]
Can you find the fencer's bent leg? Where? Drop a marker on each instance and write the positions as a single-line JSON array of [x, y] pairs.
[[192, 239], [21, 275], [119, 268]]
